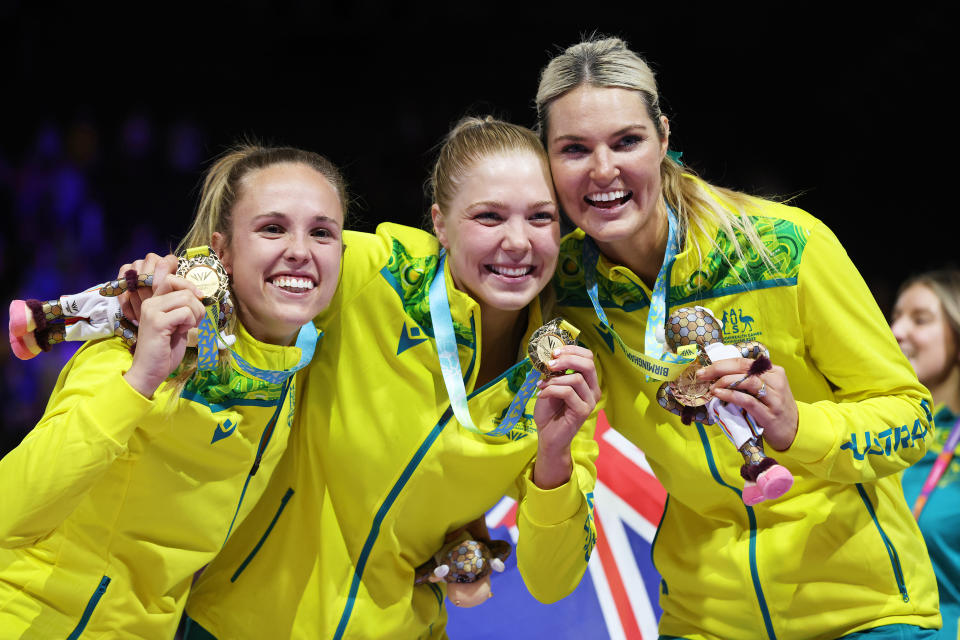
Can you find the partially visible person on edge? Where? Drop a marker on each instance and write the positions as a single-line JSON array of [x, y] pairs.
[[133, 480], [839, 555], [415, 418], [926, 324]]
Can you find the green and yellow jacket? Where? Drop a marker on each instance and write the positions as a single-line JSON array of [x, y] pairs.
[[840, 551], [113, 502], [380, 471]]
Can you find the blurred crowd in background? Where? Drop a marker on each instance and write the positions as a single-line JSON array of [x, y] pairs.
[[76, 199]]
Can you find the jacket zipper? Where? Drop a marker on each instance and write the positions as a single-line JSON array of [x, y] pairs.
[[891, 550], [243, 565], [752, 552], [88, 611], [653, 545], [268, 432], [264, 441]]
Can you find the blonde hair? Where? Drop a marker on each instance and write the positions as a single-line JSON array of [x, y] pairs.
[[608, 62], [471, 140], [222, 188], [945, 284]]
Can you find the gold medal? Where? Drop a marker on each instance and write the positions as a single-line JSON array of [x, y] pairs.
[[546, 340], [688, 390], [202, 267], [204, 278]]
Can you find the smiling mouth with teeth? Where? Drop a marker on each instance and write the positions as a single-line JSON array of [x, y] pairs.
[[510, 272], [293, 285], [609, 199]]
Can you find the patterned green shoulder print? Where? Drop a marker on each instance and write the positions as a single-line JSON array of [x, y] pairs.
[[211, 386], [568, 282], [785, 240], [411, 277]]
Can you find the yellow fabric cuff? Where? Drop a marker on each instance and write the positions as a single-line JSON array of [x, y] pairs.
[[814, 439], [548, 507], [125, 407]]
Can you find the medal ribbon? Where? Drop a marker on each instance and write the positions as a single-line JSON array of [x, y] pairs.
[[207, 353], [215, 389], [446, 338], [193, 252], [208, 331], [655, 361], [306, 342], [939, 467]]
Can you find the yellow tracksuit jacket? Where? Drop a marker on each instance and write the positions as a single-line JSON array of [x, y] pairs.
[[379, 471], [112, 503], [840, 551]]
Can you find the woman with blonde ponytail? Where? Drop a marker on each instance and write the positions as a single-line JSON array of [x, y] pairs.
[[144, 464], [839, 553]]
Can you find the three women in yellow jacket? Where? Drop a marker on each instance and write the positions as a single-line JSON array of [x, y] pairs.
[[128, 485], [841, 408], [383, 466]]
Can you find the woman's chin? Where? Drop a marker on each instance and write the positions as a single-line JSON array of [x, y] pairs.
[[509, 301], [609, 232]]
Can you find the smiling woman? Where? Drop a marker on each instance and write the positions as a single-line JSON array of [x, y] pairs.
[[282, 249], [144, 464], [507, 245], [837, 554], [499, 227]]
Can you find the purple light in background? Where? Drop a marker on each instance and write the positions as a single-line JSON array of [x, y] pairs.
[[137, 135], [69, 193], [185, 146], [92, 231], [47, 145]]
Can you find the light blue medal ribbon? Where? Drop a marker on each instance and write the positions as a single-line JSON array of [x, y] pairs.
[[656, 362], [519, 402], [449, 358], [306, 342], [207, 353]]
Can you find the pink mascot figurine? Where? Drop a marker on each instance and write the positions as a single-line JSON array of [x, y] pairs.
[[691, 399]]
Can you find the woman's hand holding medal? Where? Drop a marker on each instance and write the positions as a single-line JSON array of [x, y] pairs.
[[168, 312], [569, 392], [165, 321]]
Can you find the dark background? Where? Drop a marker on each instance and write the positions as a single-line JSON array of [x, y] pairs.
[[111, 114]]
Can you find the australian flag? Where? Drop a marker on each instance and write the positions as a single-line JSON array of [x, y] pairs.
[[617, 597]]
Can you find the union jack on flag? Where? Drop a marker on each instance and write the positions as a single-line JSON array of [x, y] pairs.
[[618, 595]]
